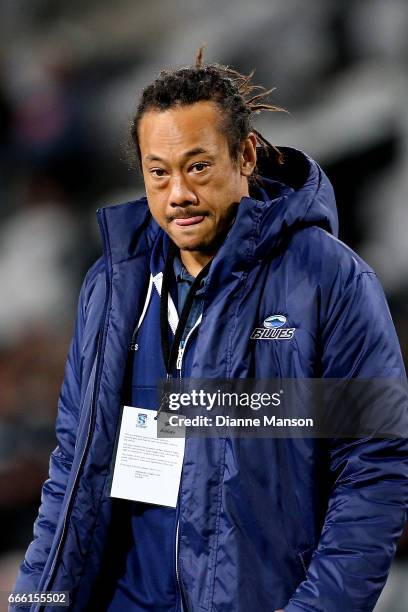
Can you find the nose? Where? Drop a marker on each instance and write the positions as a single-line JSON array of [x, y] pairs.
[[181, 193]]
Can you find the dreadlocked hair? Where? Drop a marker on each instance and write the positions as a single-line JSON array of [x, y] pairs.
[[235, 95]]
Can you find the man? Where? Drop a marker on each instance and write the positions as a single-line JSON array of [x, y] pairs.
[[232, 232]]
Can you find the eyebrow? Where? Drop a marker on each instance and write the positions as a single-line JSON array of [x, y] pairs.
[[187, 154]]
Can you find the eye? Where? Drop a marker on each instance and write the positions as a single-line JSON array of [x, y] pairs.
[[199, 167], [157, 172]]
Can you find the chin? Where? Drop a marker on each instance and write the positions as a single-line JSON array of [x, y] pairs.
[[191, 245], [188, 243]]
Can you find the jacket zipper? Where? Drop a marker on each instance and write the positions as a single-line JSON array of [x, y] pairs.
[[180, 356], [177, 568], [99, 355], [183, 344], [179, 365]]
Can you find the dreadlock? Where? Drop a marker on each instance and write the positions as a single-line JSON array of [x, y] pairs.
[[234, 93]]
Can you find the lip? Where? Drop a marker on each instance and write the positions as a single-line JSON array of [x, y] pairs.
[[187, 221]]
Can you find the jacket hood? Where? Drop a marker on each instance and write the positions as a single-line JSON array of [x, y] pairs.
[[285, 198]]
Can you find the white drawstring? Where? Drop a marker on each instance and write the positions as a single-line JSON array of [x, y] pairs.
[[146, 304], [172, 313]]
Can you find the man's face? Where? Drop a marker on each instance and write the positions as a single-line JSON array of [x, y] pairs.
[[192, 184]]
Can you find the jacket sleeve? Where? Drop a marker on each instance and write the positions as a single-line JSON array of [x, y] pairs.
[[54, 488], [367, 506]]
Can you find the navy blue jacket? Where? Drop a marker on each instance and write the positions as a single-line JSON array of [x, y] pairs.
[[264, 523]]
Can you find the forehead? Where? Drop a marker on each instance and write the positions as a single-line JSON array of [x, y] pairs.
[[179, 129]]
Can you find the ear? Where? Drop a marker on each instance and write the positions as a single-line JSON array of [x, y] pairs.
[[248, 155]]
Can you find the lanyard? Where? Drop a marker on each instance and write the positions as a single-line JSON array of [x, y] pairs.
[[170, 352]]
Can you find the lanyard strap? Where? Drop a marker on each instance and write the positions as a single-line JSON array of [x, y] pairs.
[[170, 352]]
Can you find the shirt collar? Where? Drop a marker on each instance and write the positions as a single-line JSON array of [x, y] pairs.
[[182, 275]]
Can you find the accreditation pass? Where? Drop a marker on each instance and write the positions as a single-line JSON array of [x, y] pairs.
[[147, 468]]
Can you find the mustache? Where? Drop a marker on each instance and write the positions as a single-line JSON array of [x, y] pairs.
[[186, 213]]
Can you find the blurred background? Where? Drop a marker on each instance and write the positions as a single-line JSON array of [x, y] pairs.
[[70, 74]]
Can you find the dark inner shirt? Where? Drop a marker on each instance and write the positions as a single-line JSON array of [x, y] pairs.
[[184, 281]]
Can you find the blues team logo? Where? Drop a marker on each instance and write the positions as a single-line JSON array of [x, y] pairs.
[[141, 420], [273, 329]]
